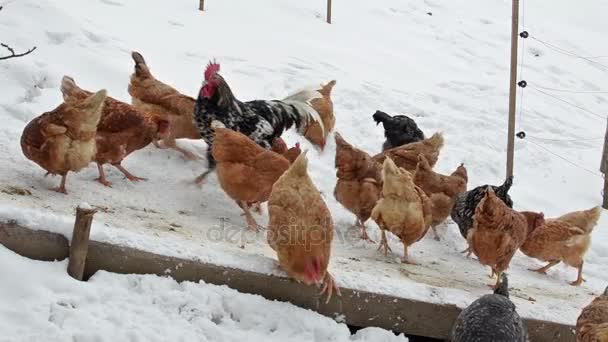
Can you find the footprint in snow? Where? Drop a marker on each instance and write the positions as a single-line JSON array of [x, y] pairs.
[[95, 38], [111, 3], [175, 23], [57, 38]]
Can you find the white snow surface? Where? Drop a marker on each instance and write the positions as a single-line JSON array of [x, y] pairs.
[[41, 303], [448, 70]]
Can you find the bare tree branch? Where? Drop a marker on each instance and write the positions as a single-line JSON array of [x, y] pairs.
[[12, 51], [13, 54]]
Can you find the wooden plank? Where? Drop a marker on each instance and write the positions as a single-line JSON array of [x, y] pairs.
[[359, 308]]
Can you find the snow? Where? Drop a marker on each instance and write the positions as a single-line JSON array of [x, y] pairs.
[[448, 70], [41, 303]]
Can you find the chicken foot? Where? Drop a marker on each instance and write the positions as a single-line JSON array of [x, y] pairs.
[[543, 270], [579, 279], [435, 234], [251, 223], [498, 279], [329, 285], [468, 251], [384, 243], [102, 176], [170, 143], [364, 235], [405, 258], [61, 188], [128, 174]]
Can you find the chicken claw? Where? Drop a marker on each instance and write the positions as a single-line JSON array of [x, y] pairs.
[[384, 244], [364, 235], [329, 285], [251, 223], [61, 188], [128, 174], [102, 176]]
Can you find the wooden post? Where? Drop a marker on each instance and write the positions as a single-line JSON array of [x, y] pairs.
[[513, 87], [201, 5], [604, 168], [79, 246], [329, 11]]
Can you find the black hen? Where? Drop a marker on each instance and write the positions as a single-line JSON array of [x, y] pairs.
[[463, 211], [262, 121], [490, 318], [398, 130]]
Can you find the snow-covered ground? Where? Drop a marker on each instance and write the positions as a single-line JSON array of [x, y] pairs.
[[443, 62], [41, 303]]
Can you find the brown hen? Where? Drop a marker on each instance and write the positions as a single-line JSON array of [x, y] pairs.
[[359, 182], [300, 228], [441, 189], [563, 239], [63, 139], [154, 97], [325, 107], [592, 324], [403, 209], [406, 156], [245, 170], [122, 130], [498, 231]]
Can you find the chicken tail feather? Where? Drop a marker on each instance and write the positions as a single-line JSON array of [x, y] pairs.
[[141, 68]]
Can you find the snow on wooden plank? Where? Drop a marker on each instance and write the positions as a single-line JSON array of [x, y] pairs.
[[358, 308]]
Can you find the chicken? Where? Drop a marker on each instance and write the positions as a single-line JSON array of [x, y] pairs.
[[154, 97], [262, 121], [63, 139], [122, 130], [359, 182], [565, 238], [442, 190], [245, 170], [493, 317], [403, 209], [463, 210], [316, 133], [398, 130], [300, 228], [279, 146], [498, 232], [406, 156], [592, 324]]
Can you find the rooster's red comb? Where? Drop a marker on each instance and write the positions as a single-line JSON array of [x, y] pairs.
[[212, 68]]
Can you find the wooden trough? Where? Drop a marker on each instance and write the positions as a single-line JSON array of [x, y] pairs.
[[359, 308]]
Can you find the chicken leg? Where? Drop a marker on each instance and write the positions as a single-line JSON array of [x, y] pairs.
[[61, 188], [128, 174], [543, 270], [384, 243], [436, 235], [364, 235], [579, 279], [102, 176], [329, 285], [405, 258], [498, 280], [251, 223]]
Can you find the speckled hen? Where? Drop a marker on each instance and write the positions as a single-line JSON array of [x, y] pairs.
[[491, 318]]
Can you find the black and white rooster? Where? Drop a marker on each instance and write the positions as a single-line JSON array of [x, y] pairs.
[[490, 318], [463, 211], [398, 130], [262, 121]]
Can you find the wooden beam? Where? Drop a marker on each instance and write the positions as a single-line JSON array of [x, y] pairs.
[[79, 245], [512, 87], [359, 308], [329, 11], [201, 5]]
